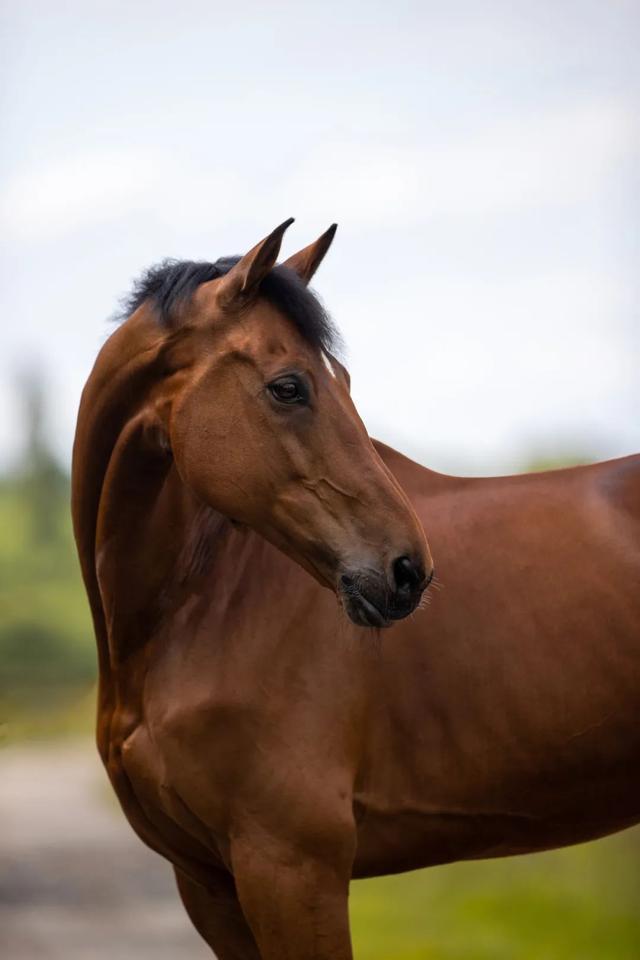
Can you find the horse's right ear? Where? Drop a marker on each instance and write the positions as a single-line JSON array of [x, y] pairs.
[[305, 262], [243, 281]]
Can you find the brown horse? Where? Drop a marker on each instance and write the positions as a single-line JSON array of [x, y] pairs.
[[272, 742]]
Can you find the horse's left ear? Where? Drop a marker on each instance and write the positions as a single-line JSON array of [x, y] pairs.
[[306, 262], [243, 281]]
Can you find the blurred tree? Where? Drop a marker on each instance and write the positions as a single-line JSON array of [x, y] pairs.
[[47, 656], [43, 481]]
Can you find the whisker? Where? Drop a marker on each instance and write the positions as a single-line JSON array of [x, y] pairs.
[[436, 583]]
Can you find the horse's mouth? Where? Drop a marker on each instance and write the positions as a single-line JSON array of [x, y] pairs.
[[363, 612], [368, 602]]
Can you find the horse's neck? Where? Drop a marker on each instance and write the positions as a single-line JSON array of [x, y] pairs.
[[141, 538], [110, 447]]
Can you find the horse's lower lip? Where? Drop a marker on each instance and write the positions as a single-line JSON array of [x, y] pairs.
[[364, 613]]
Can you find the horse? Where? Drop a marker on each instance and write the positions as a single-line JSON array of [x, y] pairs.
[[279, 709]]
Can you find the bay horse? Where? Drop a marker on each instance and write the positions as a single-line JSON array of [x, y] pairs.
[[244, 542]]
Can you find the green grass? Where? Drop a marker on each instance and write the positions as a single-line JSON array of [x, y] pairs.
[[58, 713], [581, 903]]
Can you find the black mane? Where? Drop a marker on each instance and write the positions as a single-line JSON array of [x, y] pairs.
[[168, 287]]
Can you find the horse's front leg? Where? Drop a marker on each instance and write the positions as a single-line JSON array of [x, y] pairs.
[[295, 894], [216, 914]]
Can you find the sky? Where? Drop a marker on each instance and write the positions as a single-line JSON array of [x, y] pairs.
[[480, 158]]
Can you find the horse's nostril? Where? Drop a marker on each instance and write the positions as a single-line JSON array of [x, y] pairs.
[[407, 573]]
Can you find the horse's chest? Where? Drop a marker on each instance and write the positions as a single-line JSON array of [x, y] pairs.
[[179, 795]]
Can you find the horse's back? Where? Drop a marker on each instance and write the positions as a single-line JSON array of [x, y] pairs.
[[619, 483]]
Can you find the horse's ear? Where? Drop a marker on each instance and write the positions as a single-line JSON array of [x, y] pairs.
[[306, 262], [244, 279], [342, 370]]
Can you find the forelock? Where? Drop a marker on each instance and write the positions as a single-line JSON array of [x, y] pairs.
[[169, 286]]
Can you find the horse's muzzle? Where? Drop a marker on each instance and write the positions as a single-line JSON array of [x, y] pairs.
[[372, 599]]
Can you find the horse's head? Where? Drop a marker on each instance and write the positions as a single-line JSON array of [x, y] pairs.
[[262, 427]]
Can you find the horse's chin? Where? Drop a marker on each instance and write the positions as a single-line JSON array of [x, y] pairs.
[[364, 614]]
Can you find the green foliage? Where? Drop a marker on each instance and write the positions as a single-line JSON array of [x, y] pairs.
[[574, 904], [47, 650], [543, 460]]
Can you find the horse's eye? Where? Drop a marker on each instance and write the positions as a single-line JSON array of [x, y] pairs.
[[287, 390]]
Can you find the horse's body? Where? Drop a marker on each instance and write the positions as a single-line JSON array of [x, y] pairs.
[[272, 750], [508, 717]]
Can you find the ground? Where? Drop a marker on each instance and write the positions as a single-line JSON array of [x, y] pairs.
[[77, 884]]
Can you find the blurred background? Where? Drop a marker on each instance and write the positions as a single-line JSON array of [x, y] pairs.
[[482, 160]]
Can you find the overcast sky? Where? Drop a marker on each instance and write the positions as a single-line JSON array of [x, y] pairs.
[[482, 160]]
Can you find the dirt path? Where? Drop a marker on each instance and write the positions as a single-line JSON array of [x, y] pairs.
[[75, 883]]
